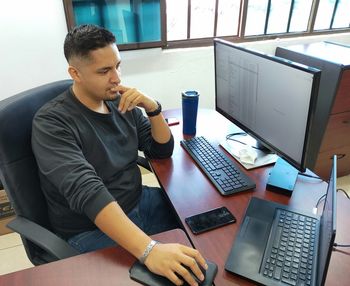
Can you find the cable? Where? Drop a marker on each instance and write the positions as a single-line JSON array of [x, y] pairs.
[[337, 244], [341, 245], [229, 137], [346, 194], [323, 196], [319, 200]]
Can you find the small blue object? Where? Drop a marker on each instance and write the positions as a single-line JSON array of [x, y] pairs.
[[189, 111]]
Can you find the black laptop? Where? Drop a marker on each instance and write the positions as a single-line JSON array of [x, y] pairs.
[[278, 245]]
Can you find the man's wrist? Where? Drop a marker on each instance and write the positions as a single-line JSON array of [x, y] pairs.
[[155, 111], [147, 251]]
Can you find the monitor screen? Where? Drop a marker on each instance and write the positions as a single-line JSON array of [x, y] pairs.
[[270, 98]]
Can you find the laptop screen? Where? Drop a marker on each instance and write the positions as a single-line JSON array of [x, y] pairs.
[[327, 226]]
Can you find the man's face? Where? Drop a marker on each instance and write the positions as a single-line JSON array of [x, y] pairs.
[[99, 73]]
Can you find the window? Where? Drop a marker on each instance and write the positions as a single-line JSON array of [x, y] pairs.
[[324, 15], [135, 23], [185, 23], [198, 21], [301, 12], [228, 17], [277, 16], [342, 15], [333, 14], [177, 20], [256, 17]]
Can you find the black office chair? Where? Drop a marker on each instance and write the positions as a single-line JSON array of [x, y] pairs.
[[19, 174]]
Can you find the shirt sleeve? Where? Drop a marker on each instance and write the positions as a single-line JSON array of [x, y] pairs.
[[147, 144], [61, 161]]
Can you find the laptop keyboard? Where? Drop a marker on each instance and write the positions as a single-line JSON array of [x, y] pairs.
[[289, 258]]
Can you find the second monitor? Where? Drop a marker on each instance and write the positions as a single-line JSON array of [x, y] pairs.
[[270, 98]]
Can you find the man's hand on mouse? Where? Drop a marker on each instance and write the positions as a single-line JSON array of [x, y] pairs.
[[170, 260], [131, 97]]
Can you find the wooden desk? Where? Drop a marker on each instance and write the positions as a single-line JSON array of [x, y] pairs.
[[105, 267], [191, 192]]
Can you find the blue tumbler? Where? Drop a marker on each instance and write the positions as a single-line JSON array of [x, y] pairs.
[[189, 111]]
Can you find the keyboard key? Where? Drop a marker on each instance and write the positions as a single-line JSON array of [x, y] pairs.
[[277, 237], [289, 281], [278, 272]]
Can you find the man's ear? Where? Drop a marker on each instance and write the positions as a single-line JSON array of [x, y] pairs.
[[74, 73]]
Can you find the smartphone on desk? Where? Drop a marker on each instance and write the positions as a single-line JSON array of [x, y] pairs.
[[210, 219], [172, 121]]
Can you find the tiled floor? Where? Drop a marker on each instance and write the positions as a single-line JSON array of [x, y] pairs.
[[12, 254]]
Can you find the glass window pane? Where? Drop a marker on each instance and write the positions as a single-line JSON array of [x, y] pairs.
[[278, 18], [300, 15], [130, 21], [87, 12], [256, 17], [176, 13], [324, 14], [228, 17], [202, 18], [342, 16]]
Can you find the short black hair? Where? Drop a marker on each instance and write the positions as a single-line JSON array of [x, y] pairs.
[[85, 38]]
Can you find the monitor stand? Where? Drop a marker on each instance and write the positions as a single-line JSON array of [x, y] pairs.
[[282, 178]]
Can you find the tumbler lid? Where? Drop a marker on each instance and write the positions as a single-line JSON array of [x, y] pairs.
[[190, 93]]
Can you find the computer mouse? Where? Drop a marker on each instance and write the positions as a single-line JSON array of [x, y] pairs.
[[194, 276]]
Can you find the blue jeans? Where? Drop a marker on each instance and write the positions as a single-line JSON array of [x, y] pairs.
[[153, 214]]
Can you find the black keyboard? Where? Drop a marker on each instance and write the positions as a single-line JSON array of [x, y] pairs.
[[223, 173], [290, 256]]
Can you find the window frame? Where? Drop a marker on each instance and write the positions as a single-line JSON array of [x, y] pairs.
[[239, 38]]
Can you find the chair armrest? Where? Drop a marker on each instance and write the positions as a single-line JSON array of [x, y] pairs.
[[42, 237], [143, 162]]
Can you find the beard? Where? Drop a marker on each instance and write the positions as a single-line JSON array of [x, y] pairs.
[[111, 95]]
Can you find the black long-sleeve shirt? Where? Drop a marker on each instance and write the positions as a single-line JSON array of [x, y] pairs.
[[87, 159]]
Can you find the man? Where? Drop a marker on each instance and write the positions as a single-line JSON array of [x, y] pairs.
[[86, 143]]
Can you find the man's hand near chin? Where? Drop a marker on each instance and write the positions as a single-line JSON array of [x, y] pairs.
[[131, 97]]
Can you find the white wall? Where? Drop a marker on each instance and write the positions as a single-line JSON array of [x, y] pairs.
[[31, 49], [31, 44], [165, 73]]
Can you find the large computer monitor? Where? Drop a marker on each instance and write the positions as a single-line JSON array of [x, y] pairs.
[[271, 99]]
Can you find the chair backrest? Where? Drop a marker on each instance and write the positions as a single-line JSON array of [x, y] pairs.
[[18, 168]]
